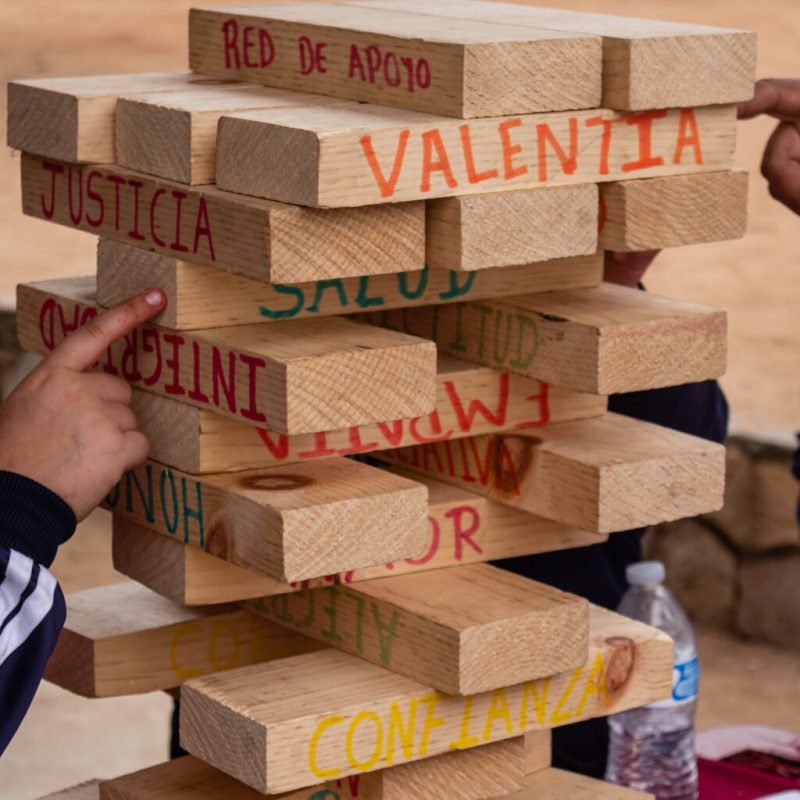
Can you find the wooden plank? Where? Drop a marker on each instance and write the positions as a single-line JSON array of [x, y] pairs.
[[316, 520], [606, 340], [469, 400], [258, 239], [125, 639], [175, 136], [203, 297], [462, 630], [327, 715], [342, 156], [557, 784], [646, 63], [455, 67], [613, 473], [504, 229], [463, 528], [297, 377], [494, 769], [667, 212], [85, 791], [72, 119]]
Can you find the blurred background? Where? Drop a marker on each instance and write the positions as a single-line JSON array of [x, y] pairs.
[[738, 572]]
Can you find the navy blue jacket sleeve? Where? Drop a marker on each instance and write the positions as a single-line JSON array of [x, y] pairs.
[[33, 522]]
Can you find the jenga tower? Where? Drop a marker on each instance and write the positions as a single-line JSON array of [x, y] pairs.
[[387, 242]]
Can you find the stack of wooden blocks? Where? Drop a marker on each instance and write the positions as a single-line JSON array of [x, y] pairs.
[[401, 257]]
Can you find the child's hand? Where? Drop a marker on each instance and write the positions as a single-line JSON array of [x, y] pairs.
[[781, 164], [74, 431]]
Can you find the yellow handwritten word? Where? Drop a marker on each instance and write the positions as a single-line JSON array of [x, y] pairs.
[[414, 727]]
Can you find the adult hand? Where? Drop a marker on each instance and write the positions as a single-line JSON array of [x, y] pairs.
[[627, 269], [781, 163], [71, 430]]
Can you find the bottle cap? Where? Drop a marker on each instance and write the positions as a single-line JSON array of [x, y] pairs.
[[645, 572]]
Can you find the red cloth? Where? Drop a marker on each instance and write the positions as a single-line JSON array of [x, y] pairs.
[[720, 780]]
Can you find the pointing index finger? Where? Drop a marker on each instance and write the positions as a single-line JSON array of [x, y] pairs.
[[779, 98], [84, 347]]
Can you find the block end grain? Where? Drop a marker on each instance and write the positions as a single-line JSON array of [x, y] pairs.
[[257, 158], [561, 73]]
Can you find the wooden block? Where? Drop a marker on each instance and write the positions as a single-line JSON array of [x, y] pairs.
[[72, 119], [85, 791], [125, 639], [300, 376], [366, 155], [175, 136], [318, 519], [463, 528], [462, 630], [557, 784], [257, 239], [458, 68], [667, 212], [326, 715], [203, 297], [646, 63], [476, 232], [613, 473], [490, 770], [606, 340], [469, 400]]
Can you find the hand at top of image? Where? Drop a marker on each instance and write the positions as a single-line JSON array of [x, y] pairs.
[[73, 431]]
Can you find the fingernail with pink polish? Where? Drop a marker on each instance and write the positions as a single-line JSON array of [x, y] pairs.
[[154, 297]]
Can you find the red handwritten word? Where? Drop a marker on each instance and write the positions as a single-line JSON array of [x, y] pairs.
[[250, 46], [455, 537], [96, 199], [152, 357], [467, 415], [392, 69], [514, 160], [486, 461]]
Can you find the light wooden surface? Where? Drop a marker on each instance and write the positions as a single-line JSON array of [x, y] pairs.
[[494, 769], [463, 528], [175, 137], [612, 473], [72, 119], [365, 155], [297, 377], [459, 68], [470, 400], [326, 715], [558, 784], [667, 212], [204, 297], [258, 239], [125, 639], [478, 232], [462, 630], [316, 520], [646, 63], [606, 340]]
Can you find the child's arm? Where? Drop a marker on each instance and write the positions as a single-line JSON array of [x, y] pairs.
[[66, 437]]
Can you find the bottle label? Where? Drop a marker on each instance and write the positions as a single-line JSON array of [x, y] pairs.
[[685, 679]]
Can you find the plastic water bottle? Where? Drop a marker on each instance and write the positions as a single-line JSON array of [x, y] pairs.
[[652, 748]]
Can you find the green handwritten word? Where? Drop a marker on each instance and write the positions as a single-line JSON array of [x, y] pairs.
[[411, 286]]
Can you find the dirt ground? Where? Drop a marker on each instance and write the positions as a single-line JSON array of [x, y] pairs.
[[65, 739]]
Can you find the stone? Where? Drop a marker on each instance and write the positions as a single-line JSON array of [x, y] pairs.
[[761, 498], [769, 602], [701, 570]]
